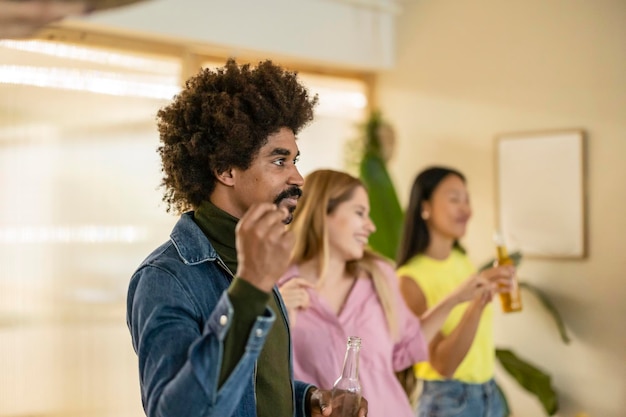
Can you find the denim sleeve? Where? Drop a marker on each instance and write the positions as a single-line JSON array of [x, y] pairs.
[[248, 303], [179, 359], [300, 390]]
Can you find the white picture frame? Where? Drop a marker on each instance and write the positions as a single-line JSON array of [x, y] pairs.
[[541, 192]]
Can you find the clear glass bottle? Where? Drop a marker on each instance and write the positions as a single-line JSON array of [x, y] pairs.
[[346, 393], [510, 301]]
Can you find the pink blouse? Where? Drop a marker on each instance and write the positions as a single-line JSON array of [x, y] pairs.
[[319, 343]]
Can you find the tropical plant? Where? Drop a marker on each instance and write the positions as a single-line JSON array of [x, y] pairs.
[[370, 153], [387, 214]]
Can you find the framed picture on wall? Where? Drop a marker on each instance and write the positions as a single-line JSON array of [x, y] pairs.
[[541, 192]]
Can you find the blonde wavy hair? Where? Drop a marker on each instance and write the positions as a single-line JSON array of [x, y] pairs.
[[323, 191]]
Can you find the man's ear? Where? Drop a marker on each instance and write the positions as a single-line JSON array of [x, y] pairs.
[[226, 177]]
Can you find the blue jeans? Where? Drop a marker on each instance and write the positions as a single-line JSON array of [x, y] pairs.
[[458, 399]]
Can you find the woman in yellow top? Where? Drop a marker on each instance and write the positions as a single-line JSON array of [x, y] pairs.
[[458, 379]]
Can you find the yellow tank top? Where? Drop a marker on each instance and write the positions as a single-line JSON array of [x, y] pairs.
[[437, 278]]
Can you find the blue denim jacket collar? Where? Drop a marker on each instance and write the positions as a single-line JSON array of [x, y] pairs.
[[190, 242]]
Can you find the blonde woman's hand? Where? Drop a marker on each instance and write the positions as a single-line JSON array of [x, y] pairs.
[[295, 296]]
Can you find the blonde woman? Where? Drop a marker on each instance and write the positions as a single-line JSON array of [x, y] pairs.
[[337, 287]]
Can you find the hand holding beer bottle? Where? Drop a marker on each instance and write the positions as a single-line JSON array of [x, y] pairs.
[[511, 301], [346, 393]]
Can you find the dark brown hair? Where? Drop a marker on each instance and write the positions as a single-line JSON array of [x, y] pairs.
[[220, 120], [415, 237]]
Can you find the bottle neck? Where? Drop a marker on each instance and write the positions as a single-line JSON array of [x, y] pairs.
[[502, 252], [351, 362]]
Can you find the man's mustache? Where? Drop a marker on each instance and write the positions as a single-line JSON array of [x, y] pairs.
[[294, 191]]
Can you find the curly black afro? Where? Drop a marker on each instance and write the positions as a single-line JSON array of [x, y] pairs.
[[220, 120]]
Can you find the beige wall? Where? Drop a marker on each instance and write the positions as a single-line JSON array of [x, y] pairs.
[[468, 70]]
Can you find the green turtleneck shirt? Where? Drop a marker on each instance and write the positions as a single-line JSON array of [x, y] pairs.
[[273, 379]]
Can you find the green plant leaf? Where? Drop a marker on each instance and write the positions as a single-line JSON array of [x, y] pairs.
[[372, 139], [531, 378], [545, 301], [385, 209]]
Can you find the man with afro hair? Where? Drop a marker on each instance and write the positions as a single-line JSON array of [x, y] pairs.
[[206, 319]]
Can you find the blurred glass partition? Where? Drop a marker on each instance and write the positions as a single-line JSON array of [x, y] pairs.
[[79, 175], [342, 108]]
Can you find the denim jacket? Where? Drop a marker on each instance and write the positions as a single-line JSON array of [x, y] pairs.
[[178, 313]]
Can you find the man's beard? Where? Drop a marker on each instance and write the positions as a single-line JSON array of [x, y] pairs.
[[294, 191]]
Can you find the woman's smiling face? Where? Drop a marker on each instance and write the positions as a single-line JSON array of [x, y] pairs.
[[349, 226], [448, 209]]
